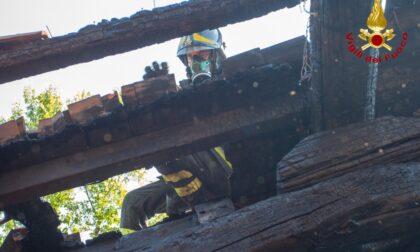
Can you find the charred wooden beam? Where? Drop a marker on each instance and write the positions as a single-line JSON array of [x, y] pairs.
[[340, 88], [121, 35], [399, 79], [357, 146], [364, 208], [16, 39], [175, 125]]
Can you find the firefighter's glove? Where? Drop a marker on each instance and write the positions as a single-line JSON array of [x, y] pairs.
[[156, 70]]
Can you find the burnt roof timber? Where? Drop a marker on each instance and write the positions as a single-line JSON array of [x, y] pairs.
[[121, 35], [17, 152], [123, 156], [311, 219], [175, 125], [386, 98], [315, 210]]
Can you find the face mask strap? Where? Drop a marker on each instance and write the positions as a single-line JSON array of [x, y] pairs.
[[216, 59]]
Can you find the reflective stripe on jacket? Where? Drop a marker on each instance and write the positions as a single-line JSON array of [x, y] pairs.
[[205, 173]]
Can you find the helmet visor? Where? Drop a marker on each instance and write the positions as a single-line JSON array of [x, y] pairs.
[[198, 56]]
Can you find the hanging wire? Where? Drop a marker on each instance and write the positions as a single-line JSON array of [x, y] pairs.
[[306, 70]]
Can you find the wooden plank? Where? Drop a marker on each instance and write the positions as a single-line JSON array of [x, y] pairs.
[[341, 90], [12, 130], [111, 101], [53, 125], [175, 226], [147, 91], [22, 38], [288, 53], [332, 153], [346, 213], [121, 35], [86, 110], [242, 62]]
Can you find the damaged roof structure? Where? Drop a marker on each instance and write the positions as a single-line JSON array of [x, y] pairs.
[[333, 180]]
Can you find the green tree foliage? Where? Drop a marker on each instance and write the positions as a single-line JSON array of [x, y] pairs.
[[156, 219], [44, 105], [79, 96], [17, 111], [93, 208]]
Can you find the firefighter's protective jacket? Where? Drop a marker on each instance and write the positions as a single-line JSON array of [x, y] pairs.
[[199, 177]]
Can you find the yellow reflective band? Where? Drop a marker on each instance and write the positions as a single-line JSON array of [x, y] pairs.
[[200, 38], [221, 153], [177, 176], [189, 189]]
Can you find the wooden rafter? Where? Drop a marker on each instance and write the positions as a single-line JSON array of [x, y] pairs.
[[121, 35]]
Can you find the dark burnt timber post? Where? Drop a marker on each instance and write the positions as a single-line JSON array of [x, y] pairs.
[[399, 80], [398, 83], [340, 89]]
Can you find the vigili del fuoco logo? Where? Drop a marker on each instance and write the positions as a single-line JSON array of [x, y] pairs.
[[376, 37]]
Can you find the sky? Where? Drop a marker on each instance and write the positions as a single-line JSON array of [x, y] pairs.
[[110, 73]]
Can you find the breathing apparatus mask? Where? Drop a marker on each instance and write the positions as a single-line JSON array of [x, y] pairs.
[[200, 65]]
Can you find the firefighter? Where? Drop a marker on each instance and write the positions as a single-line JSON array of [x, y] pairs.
[[192, 179], [202, 54]]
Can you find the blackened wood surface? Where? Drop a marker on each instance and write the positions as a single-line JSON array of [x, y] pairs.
[[121, 35], [175, 125], [339, 77], [399, 80], [316, 116], [255, 159], [353, 212], [288, 52], [357, 146], [245, 89]]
